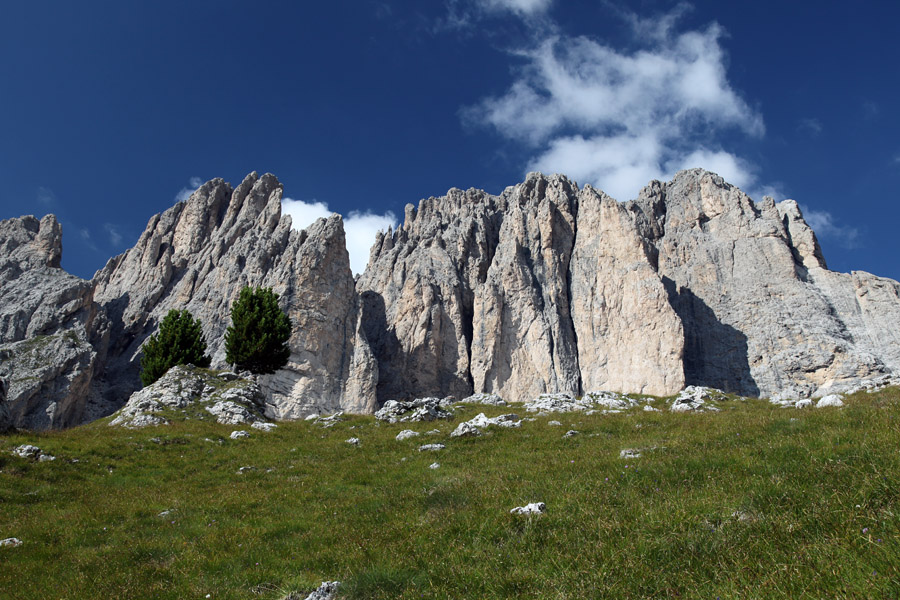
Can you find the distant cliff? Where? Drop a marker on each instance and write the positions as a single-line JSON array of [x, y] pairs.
[[546, 287]]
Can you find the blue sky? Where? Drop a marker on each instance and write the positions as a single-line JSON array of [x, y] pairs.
[[109, 111]]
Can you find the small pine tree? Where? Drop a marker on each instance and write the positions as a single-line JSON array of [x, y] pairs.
[[179, 341], [257, 338]]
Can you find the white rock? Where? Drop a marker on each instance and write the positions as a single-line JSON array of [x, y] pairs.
[[554, 423], [475, 425], [830, 400], [27, 451], [10, 542], [570, 433], [228, 412], [648, 408], [434, 466], [490, 399], [465, 429], [239, 434], [630, 453], [326, 591], [353, 441], [534, 508], [46, 458], [431, 447], [406, 434], [805, 403], [263, 426]]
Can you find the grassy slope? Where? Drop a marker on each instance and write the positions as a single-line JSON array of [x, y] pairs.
[[752, 502]]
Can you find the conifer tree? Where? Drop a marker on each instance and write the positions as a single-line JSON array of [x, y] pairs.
[[256, 340], [179, 341]]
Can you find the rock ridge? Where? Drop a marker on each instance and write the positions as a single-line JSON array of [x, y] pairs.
[[546, 288]]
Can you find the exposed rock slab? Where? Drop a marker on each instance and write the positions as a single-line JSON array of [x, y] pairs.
[[52, 334]]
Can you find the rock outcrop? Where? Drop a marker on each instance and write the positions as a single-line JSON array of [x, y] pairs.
[[691, 284], [53, 335], [538, 294], [201, 252]]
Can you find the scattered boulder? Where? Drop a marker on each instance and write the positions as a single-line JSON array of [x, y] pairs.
[[475, 425], [571, 433], [830, 400], [406, 434], [27, 451], [46, 458], [534, 508], [434, 466], [236, 435], [805, 403], [329, 421], [353, 441], [610, 400], [559, 402], [421, 409], [648, 408], [10, 543], [326, 591], [554, 423], [489, 399], [630, 453], [431, 447], [464, 430], [263, 426], [697, 398]]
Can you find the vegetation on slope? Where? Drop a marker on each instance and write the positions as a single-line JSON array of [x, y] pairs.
[[752, 502]]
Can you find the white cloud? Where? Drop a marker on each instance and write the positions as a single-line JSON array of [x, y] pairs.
[[115, 237], [813, 127], [185, 192], [520, 7], [359, 227], [618, 119], [823, 223]]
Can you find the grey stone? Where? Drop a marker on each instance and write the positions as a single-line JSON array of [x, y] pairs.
[[571, 433], [263, 426], [326, 591], [533, 508], [433, 466], [27, 451], [228, 412], [431, 447], [488, 399], [832, 400], [236, 435], [628, 453], [353, 441], [10, 543], [406, 434]]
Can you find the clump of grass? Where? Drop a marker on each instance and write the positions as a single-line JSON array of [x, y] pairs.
[[754, 501]]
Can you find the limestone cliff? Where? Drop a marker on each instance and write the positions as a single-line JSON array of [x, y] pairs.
[[546, 287], [201, 252]]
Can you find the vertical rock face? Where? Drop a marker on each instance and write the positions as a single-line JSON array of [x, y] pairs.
[[745, 279], [201, 252], [524, 342], [629, 336], [543, 288], [52, 334]]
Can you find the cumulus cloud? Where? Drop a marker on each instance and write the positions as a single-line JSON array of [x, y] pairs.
[[359, 227], [619, 118], [825, 226]]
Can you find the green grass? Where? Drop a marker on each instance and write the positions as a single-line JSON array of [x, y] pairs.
[[752, 502]]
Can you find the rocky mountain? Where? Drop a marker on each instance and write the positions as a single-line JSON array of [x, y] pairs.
[[546, 287]]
